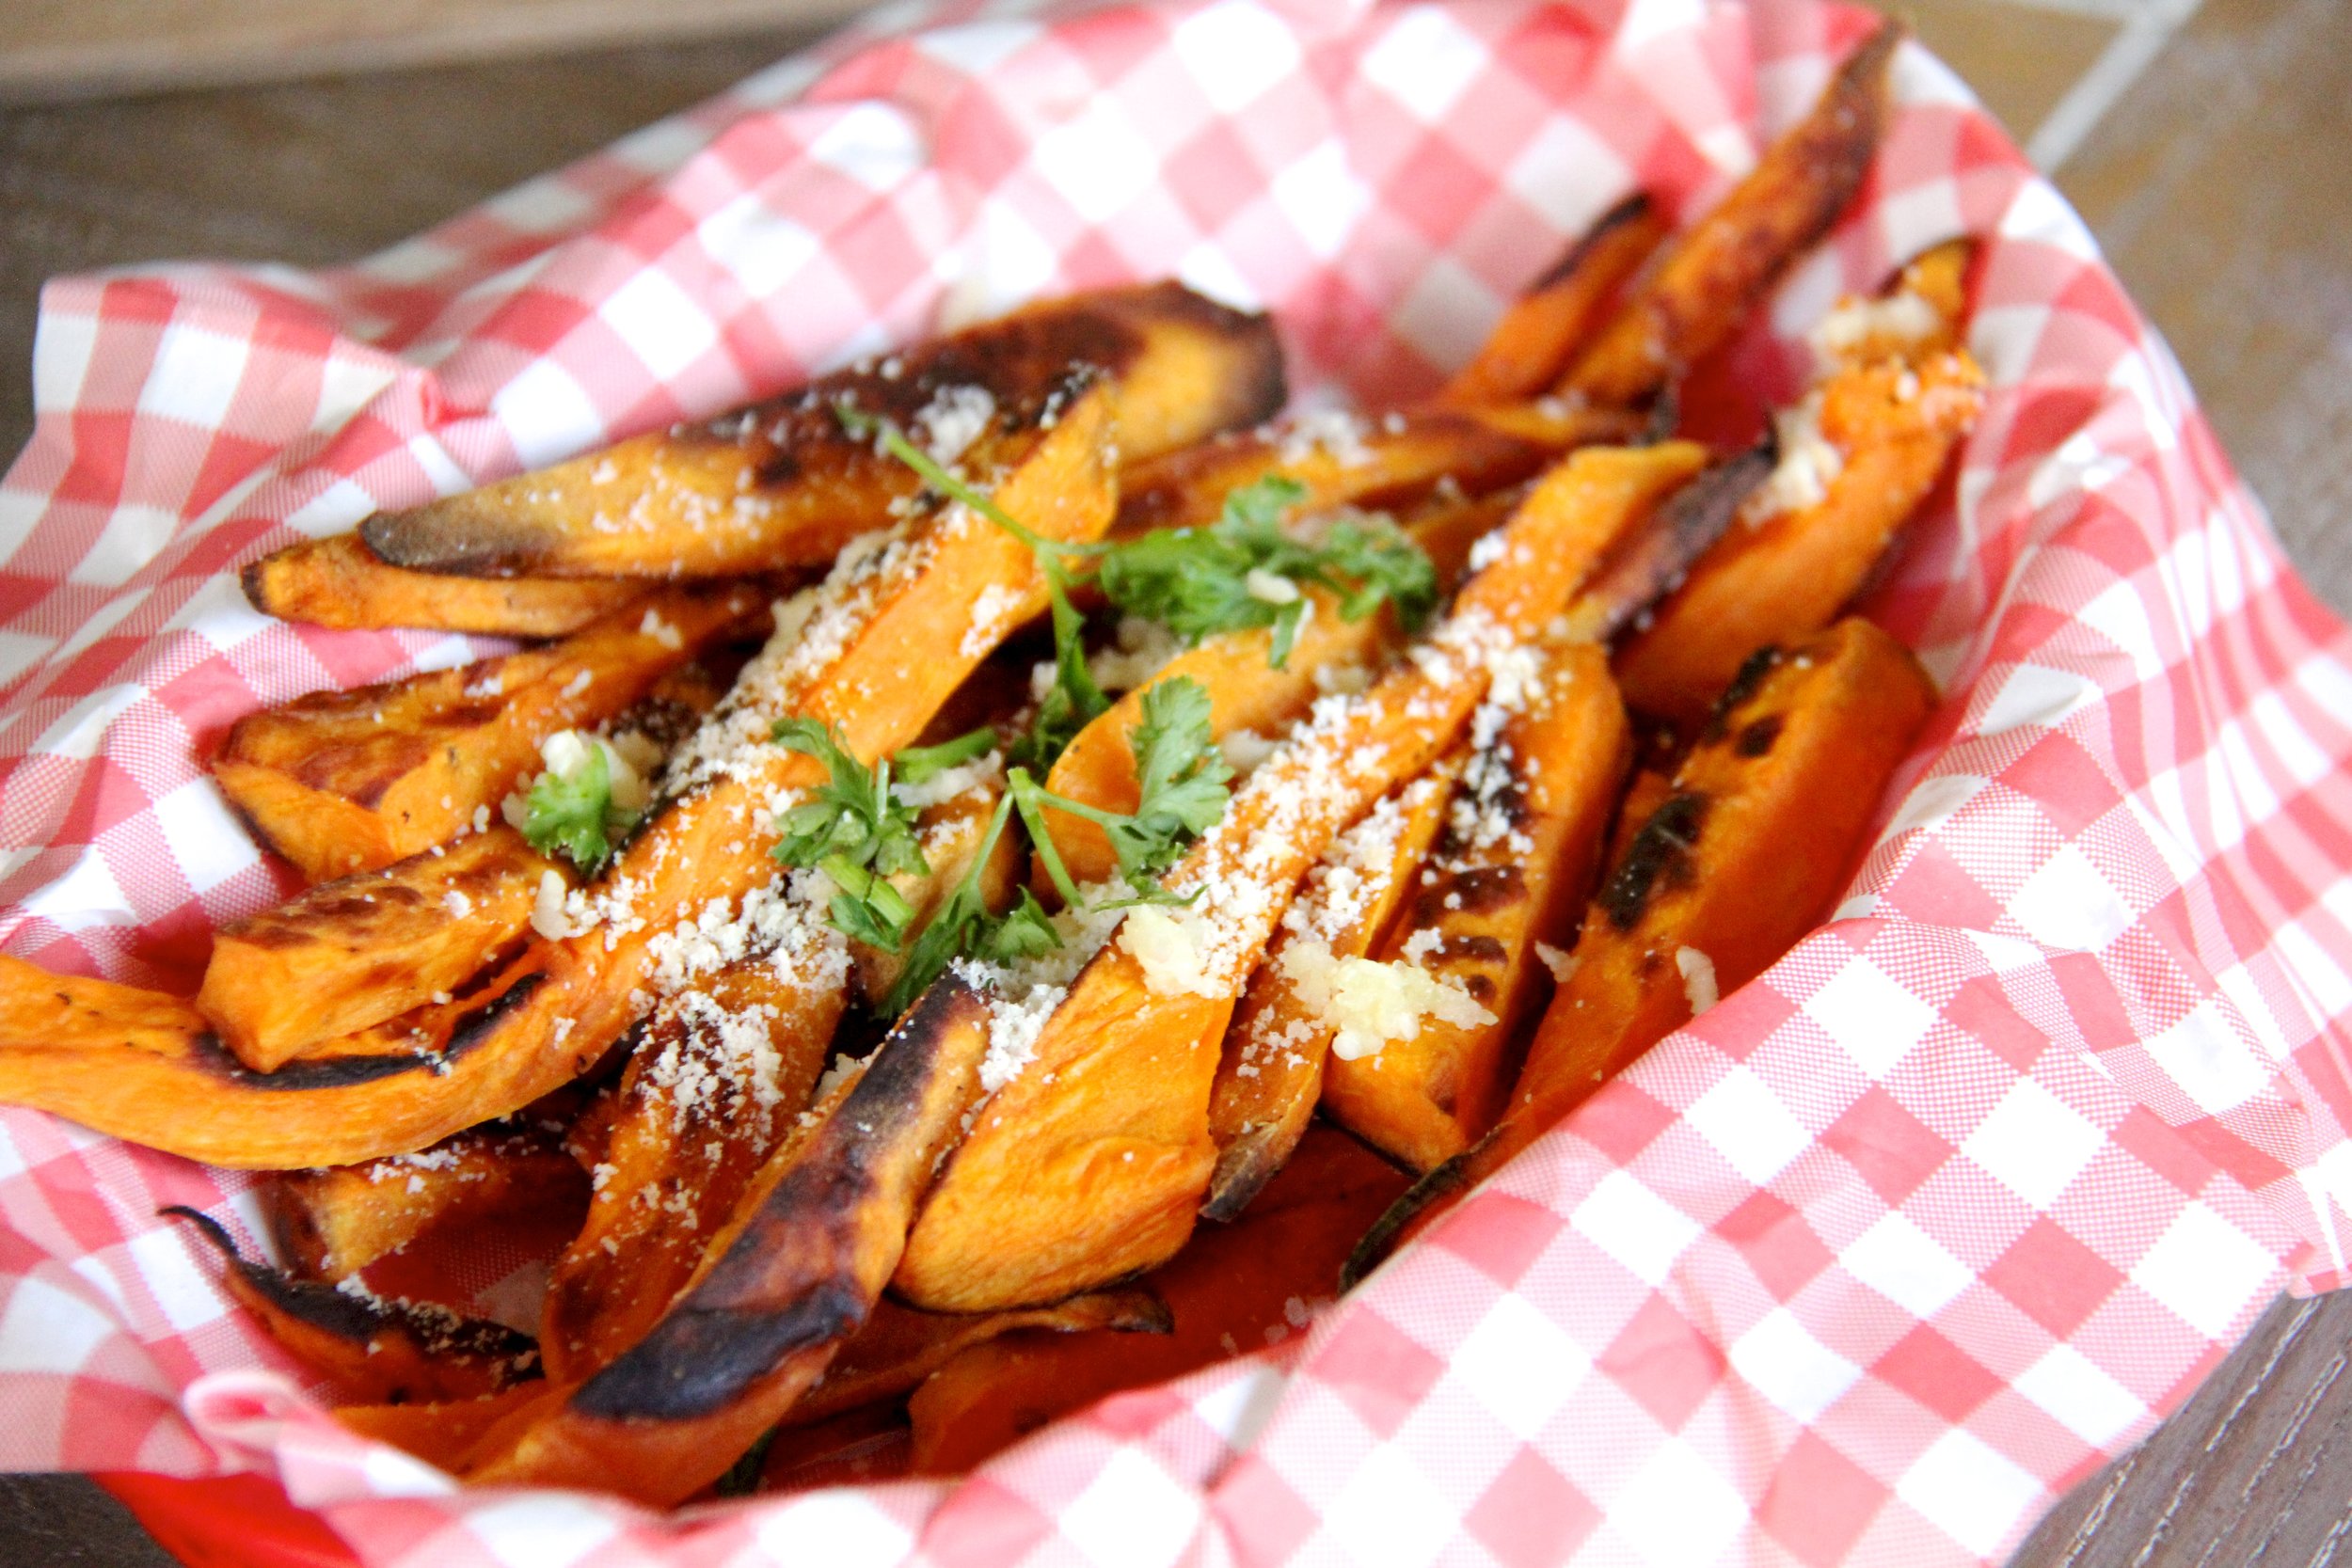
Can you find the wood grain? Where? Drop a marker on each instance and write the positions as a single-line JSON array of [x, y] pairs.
[[2256, 1469], [53, 49]]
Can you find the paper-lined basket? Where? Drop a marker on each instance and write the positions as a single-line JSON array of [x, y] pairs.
[[1869, 1263]]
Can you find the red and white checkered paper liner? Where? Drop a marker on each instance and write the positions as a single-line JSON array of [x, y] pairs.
[[1869, 1264]]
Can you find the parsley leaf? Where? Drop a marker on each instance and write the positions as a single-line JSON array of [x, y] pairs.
[[573, 811], [1197, 581], [1182, 776], [855, 833]]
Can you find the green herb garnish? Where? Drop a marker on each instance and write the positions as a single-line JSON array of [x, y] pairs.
[[1196, 581], [573, 811], [853, 831], [859, 835]]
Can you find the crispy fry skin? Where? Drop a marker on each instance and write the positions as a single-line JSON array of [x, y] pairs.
[[339, 582], [1531, 345], [783, 483], [147, 1067], [1391, 459], [1093, 1162], [373, 1351], [1894, 420], [341, 782], [700, 1111], [1246, 690], [786, 1284], [897, 640], [1707, 281], [368, 947], [1513, 870], [1270, 1074], [1232, 1288], [1743, 858], [899, 1347], [335, 1222]]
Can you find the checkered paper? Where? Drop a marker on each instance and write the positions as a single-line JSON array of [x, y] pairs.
[[1869, 1264]]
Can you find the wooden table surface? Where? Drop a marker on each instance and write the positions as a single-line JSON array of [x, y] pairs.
[[2210, 149]]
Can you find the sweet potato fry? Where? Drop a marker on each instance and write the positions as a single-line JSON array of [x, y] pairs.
[[1269, 1076], [373, 1350], [1780, 576], [330, 1224], [716, 1082], [368, 947], [1246, 690], [874, 653], [1232, 1288], [1766, 818], [147, 1069], [341, 782], [439, 1433], [1707, 282], [783, 483], [339, 582], [1091, 1161], [1530, 347], [899, 1347], [790, 1280], [1393, 459], [1521, 841]]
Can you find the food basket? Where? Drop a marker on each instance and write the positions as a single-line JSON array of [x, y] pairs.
[[1869, 1263]]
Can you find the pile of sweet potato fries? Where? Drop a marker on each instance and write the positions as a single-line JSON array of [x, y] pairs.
[[952, 826]]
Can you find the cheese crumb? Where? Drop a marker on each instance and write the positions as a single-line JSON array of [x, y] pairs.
[[1143, 648], [546, 911], [1270, 587], [1563, 965], [1902, 320], [955, 418], [1160, 940], [1808, 464], [653, 626], [1698, 979], [1371, 1003]]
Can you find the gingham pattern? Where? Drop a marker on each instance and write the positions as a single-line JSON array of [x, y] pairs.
[[1867, 1265]]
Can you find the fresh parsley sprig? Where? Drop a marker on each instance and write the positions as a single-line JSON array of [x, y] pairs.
[[854, 832], [857, 833], [1197, 581], [572, 811]]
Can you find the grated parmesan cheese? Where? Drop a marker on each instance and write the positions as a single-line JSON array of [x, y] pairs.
[[1563, 965], [1698, 979], [1142, 650], [1809, 463], [1270, 587], [1334, 433], [1902, 320], [954, 418], [1370, 1003], [653, 626]]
